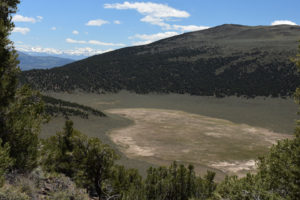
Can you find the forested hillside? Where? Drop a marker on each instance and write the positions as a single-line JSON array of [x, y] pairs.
[[55, 107], [225, 60]]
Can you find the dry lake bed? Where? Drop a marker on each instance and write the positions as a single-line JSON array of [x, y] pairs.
[[225, 135], [167, 135]]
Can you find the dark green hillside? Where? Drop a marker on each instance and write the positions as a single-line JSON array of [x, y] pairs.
[[225, 60], [55, 107]]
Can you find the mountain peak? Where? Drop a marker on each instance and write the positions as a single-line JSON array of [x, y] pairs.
[[28, 62]]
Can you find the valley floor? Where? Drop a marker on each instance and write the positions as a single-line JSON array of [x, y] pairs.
[[225, 135], [162, 136]]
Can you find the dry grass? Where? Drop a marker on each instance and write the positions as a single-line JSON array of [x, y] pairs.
[[228, 152], [161, 136]]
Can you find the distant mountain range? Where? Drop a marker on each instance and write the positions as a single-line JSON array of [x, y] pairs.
[[224, 60], [28, 62], [62, 55]]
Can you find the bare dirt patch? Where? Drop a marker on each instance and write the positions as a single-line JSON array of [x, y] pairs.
[[161, 136]]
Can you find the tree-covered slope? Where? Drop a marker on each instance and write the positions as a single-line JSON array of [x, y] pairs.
[[28, 62], [224, 60], [55, 107]]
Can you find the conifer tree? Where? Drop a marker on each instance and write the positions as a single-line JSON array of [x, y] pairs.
[[8, 61], [5, 161], [8, 80], [8, 56], [87, 161], [21, 110]]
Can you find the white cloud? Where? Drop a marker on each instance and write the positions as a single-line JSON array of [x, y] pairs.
[[141, 43], [151, 38], [85, 51], [53, 28], [20, 18], [156, 21], [154, 37], [96, 42], [22, 30], [96, 22], [39, 18], [151, 9], [93, 42], [158, 14], [154, 13], [69, 40], [189, 28], [37, 49], [75, 32], [283, 22], [117, 22]]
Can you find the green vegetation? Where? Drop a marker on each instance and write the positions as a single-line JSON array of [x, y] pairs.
[[87, 160], [23, 122], [178, 182], [90, 163], [221, 61], [12, 193], [38, 185], [21, 110], [54, 107], [5, 161]]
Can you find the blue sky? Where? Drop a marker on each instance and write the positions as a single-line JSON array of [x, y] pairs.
[[80, 28]]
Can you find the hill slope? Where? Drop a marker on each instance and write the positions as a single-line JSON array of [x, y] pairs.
[[28, 62], [225, 60]]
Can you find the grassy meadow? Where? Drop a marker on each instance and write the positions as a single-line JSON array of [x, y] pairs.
[[220, 134]]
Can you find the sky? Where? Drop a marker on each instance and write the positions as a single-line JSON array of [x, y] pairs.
[[81, 28]]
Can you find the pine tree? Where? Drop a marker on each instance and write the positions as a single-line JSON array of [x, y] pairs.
[[8, 57], [8, 77], [87, 161], [8, 61], [5, 161], [21, 110], [23, 120], [57, 151]]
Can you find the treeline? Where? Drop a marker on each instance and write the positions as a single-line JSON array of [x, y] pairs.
[[205, 70], [55, 107]]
